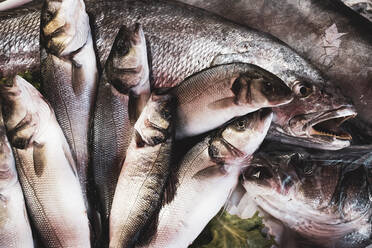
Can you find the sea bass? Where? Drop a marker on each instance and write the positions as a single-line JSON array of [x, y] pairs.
[[207, 175], [69, 75], [331, 36], [184, 40], [324, 197], [141, 185], [214, 96], [126, 76], [15, 230], [45, 166]]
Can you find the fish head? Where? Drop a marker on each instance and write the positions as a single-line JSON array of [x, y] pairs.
[[314, 116], [25, 112], [154, 123], [266, 89], [241, 137], [64, 26], [127, 66]]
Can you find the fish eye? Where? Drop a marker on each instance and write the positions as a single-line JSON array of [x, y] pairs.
[[122, 47], [166, 114], [240, 125], [268, 87], [302, 89]]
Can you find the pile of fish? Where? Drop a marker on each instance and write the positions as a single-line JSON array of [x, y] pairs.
[[151, 118]]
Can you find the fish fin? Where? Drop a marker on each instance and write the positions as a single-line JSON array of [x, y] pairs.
[[210, 172], [222, 103], [136, 105], [148, 232], [170, 189], [69, 157], [38, 160]]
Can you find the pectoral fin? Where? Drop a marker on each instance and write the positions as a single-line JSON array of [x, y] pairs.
[[214, 171], [222, 103]]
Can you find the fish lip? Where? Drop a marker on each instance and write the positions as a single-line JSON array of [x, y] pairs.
[[326, 140]]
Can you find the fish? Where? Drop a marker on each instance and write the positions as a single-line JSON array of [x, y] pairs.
[[15, 229], [214, 96], [331, 36], [69, 77], [126, 76], [144, 174], [322, 197], [45, 166], [207, 175], [11, 4], [184, 40]]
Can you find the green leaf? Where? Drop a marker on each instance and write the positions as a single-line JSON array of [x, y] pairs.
[[226, 231]]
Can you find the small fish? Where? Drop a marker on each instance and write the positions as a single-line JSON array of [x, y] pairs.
[[184, 40], [15, 230], [141, 185], [216, 95], [126, 76], [322, 197], [69, 76], [45, 166], [207, 175]]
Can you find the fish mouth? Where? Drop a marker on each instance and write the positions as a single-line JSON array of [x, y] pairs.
[[328, 124]]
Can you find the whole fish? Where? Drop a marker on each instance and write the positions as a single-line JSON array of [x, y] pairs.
[[331, 36], [207, 175], [69, 75], [45, 167], [141, 185], [184, 40], [15, 230], [214, 96], [126, 70], [322, 197]]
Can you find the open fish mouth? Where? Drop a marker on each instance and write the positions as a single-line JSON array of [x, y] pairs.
[[328, 124]]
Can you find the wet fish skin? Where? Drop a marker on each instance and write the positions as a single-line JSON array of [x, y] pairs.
[[126, 68], [15, 230], [141, 185], [321, 196], [69, 76], [214, 96], [207, 175], [343, 56], [205, 40], [46, 167]]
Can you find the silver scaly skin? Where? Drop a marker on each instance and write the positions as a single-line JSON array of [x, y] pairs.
[[184, 40]]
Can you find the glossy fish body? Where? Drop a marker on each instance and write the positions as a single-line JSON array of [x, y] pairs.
[[322, 197], [69, 74], [183, 41], [206, 177], [331, 36], [112, 126], [46, 167], [214, 96], [15, 230], [141, 185]]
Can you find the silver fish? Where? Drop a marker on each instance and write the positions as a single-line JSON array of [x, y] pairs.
[[126, 76], [207, 175], [214, 96], [46, 167], [15, 230], [331, 36], [141, 185], [322, 197], [69, 75], [183, 41]]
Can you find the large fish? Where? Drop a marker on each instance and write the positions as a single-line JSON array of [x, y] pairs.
[[45, 166], [15, 230], [207, 175], [141, 185], [183, 41], [69, 75], [322, 197], [125, 79], [331, 36], [214, 96]]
